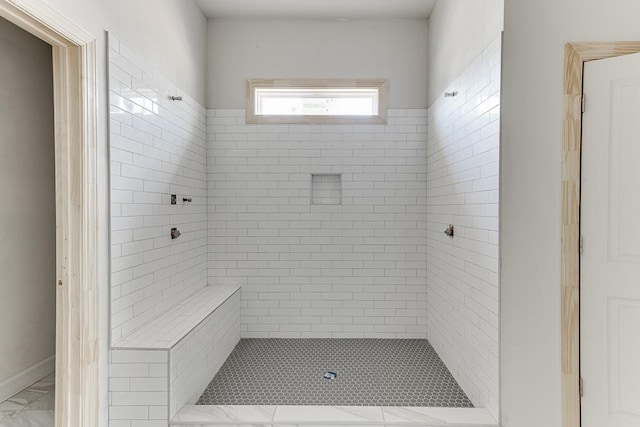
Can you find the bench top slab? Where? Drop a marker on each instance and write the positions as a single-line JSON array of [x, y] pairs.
[[166, 330]]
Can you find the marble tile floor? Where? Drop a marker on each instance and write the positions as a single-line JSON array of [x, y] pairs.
[[333, 416], [32, 407]]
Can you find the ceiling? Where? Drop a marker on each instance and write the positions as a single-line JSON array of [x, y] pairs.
[[321, 9]]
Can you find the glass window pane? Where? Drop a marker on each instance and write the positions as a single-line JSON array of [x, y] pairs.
[[317, 102]]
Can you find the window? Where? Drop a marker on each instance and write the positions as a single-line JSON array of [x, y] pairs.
[[316, 101]]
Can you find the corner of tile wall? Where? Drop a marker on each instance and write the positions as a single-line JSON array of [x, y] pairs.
[[462, 189]]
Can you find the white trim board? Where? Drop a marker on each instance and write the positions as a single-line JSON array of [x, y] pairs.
[[24, 379], [75, 104]]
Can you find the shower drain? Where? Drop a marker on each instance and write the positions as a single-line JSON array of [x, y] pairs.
[[330, 375]]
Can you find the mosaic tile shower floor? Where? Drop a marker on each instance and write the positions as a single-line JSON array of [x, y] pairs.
[[370, 372]]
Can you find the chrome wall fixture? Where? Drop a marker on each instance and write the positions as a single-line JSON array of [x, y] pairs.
[[175, 98], [449, 231], [451, 94], [175, 233], [174, 199]]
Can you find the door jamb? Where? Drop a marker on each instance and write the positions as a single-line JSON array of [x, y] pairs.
[[576, 54], [75, 95]]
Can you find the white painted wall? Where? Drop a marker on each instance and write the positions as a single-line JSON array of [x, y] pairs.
[[462, 189], [535, 34], [242, 49], [355, 270], [27, 207], [173, 34], [459, 30]]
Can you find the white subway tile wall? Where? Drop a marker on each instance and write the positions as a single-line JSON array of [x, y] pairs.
[[462, 189], [158, 148], [138, 388], [352, 270]]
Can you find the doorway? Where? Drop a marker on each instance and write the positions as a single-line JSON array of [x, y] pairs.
[[576, 56], [76, 279], [610, 235], [28, 215]]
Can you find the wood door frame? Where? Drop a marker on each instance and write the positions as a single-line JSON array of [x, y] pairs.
[[576, 54], [75, 95]]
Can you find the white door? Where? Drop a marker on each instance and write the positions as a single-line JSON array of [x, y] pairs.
[[610, 228]]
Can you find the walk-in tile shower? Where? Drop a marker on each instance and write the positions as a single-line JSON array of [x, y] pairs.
[[326, 245]]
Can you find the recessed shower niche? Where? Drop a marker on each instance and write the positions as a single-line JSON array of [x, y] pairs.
[[326, 189]]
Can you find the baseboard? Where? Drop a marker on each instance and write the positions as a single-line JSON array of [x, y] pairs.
[[24, 379]]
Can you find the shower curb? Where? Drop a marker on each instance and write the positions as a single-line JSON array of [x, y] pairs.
[[334, 416]]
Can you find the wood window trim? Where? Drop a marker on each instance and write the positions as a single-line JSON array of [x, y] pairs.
[[576, 54], [75, 106], [252, 118]]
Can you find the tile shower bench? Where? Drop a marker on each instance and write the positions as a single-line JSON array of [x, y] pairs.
[[169, 361]]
